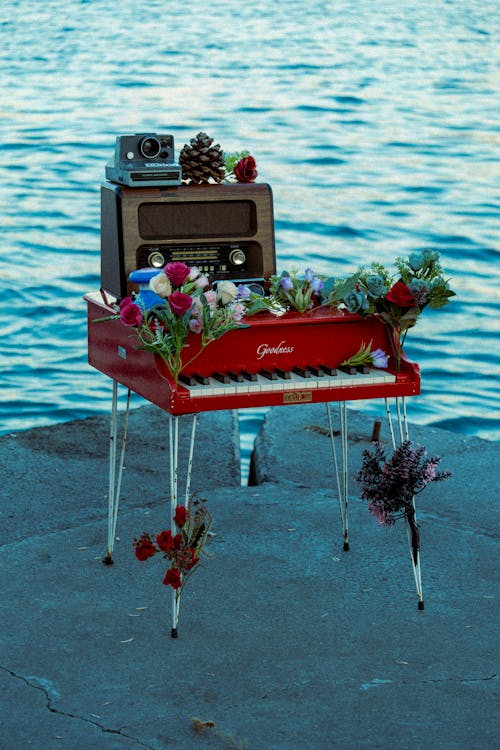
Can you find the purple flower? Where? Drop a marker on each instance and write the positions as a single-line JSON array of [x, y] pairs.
[[380, 359], [286, 283], [244, 292], [316, 285], [308, 275]]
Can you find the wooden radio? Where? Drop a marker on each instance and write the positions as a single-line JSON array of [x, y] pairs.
[[226, 230]]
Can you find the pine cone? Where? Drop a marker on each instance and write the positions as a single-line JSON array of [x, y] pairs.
[[201, 161]]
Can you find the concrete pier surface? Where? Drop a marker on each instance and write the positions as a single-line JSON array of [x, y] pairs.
[[285, 641]]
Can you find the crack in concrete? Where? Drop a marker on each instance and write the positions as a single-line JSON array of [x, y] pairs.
[[54, 710]]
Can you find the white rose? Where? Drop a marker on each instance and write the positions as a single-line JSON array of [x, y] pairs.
[[226, 292], [161, 285]]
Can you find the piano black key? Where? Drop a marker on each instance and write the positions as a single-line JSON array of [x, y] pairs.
[[302, 372], [202, 379], [251, 376], [188, 380], [283, 374], [363, 369], [222, 377], [237, 377], [269, 374], [331, 371], [317, 372], [349, 369]]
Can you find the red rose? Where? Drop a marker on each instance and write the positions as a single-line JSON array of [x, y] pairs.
[[173, 578], [177, 272], [245, 170], [400, 295], [180, 303], [165, 541], [130, 314], [144, 548], [180, 516]]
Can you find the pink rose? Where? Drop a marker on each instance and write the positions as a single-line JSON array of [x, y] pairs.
[[130, 314], [177, 272], [211, 298], [237, 312], [180, 303], [245, 170], [196, 325]]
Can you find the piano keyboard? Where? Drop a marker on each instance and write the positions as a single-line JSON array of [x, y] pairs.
[[278, 380]]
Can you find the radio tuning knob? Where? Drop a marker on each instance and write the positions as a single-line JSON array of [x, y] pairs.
[[156, 260], [237, 257]]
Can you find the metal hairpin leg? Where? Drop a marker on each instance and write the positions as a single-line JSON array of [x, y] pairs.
[[114, 480], [411, 526], [342, 474], [173, 426]]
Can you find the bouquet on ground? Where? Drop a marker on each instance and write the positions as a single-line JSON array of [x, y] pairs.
[[390, 485], [182, 549]]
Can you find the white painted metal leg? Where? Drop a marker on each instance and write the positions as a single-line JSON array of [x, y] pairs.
[[174, 494], [341, 474], [115, 481]]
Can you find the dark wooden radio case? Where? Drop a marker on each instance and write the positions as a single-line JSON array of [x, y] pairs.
[[197, 224]]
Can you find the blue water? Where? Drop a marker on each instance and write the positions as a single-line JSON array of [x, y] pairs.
[[376, 123]]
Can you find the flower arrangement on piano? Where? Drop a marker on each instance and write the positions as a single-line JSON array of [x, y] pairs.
[[173, 303], [390, 485], [398, 302], [289, 289], [183, 549]]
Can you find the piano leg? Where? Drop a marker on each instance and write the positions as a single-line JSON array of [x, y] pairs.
[[114, 480], [410, 519], [341, 474], [173, 426]]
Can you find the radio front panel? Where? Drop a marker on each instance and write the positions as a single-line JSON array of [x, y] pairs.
[[226, 230]]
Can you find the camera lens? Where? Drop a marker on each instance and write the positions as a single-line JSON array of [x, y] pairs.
[[150, 147]]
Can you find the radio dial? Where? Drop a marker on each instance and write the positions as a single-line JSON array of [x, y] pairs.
[[156, 260], [237, 257]]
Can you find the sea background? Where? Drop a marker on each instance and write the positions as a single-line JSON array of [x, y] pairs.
[[375, 123]]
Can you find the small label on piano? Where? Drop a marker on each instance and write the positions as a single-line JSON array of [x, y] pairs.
[[297, 397], [122, 352]]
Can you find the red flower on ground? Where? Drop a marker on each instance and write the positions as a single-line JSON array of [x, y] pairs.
[[180, 516], [177, 272], [245, 170], [173, 578], [166, 542], [180, 303], [144, 548], [400, 295]]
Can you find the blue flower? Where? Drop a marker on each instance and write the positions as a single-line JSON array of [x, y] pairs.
[[356, 301], [420, 291], [376, 285], [416, 261]]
